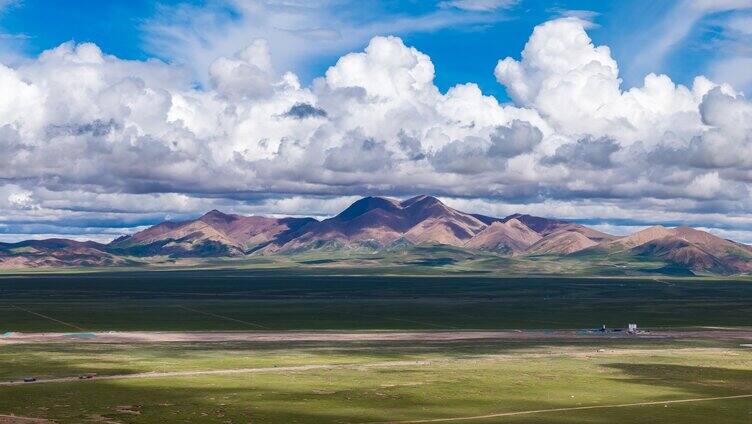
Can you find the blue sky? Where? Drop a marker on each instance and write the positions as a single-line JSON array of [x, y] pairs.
[[462, 52]]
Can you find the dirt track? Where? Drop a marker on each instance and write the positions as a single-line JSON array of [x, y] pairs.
[[323, 336], [573, 408], [219, 372], [329, 367], [10, 419], [13, 419]]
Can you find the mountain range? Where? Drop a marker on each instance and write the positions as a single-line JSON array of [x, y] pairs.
[[375, 224]]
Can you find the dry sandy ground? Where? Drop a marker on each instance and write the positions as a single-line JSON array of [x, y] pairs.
[[324, 336]]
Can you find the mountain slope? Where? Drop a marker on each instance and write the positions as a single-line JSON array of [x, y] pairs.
[[639, 238], [57, 253], [561, 243], [688, 247], [556, 236], [213, 234], [375, 222], [511, 237]]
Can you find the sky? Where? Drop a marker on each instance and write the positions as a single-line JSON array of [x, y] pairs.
[[120, 114]]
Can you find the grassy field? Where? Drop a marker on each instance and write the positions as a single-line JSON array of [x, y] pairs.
[[437, 260], [281, 300], [623, 380], [452, 380]]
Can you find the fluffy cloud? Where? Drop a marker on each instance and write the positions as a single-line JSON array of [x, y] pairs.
[[586, 152], [727, 143], [475, 155], [249, 74], [358, 155], [576, 86], [87, 137]]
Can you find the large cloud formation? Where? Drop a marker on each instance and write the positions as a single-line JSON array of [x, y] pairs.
[[92, 142]]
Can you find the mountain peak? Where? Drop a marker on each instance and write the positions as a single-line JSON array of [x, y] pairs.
[[378, 223], [643, 236], [215, 212], [423, 198], [215, 215], [367, 204], [536, 223], [656, 228]]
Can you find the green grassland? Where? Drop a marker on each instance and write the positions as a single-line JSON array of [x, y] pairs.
[[374, 381], [409, 260], [292, 299], [458, 379]]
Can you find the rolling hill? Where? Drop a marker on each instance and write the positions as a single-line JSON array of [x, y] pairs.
[[694, 249]]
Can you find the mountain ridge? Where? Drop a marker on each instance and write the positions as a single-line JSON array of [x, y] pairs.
[[380, 223]]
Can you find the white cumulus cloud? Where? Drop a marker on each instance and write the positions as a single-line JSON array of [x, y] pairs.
[[88, 137]]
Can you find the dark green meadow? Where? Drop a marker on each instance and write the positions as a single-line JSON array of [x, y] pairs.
[[290, 299]]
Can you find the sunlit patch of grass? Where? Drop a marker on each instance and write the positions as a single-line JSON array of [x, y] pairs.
[[459, 381]]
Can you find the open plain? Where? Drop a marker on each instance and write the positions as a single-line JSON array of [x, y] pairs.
[[256, 346]]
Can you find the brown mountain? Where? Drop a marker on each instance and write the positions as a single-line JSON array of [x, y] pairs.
[[695, 249], [686, 247], [52, 253], [556, 237], [377, 223], [561, 243], [213, 234], [563, 238], [512, 237], [639, 238]]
